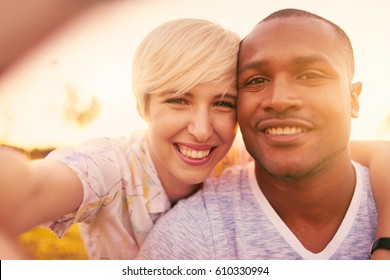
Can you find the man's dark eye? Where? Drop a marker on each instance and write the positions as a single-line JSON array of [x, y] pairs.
[[257, 80], [310, 76]]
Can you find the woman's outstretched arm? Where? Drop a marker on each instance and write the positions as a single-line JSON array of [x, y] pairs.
[[34, 191]]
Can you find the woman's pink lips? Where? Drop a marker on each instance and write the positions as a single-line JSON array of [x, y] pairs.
[[195, 162], [195, 147]]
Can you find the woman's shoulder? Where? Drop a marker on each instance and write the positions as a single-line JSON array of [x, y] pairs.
[[103, 145]]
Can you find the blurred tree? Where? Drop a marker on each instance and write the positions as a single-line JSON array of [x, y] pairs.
[[384, 129], [5, 124], [77, 114]]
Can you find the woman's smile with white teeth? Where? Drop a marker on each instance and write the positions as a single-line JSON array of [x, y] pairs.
[[193, 154]]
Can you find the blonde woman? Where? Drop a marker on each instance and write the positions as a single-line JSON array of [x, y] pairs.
[[184, 83]]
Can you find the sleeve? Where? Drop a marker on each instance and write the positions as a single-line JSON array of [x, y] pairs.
[[176, 236], [98, 164]]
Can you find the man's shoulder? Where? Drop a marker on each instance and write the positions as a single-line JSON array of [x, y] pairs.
[[362, 174], [235, 172], [359, 166], [212, 191], [232, 179], [214, 195]]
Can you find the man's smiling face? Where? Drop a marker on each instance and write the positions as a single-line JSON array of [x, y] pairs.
[[295, 97]]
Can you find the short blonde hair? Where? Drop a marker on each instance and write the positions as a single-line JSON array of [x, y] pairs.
[[181, 54]]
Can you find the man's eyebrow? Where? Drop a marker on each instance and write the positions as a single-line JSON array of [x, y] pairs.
[[252, 65], [306, 60], [299, 61]]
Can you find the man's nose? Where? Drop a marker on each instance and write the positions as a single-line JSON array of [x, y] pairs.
[[282, 96]]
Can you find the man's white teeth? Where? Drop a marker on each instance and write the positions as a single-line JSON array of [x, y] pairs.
[[284, 130], [194, 154]]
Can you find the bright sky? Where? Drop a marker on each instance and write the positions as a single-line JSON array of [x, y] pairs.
[[90, 59]]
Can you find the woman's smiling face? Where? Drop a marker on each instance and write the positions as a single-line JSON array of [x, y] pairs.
[[188, 135]]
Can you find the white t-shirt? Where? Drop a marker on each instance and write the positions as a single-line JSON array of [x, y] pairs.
[[231, 219]]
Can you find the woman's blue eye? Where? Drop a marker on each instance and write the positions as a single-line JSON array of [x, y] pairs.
[[176, 101]]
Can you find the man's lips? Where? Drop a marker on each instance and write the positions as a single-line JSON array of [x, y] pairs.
[[283, 126], [286, 130]]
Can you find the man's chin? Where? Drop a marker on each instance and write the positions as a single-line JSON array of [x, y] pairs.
[[290, 171]]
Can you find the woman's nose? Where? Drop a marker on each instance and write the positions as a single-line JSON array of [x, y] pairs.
[[200, 126]]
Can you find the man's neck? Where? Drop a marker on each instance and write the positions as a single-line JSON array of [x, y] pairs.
[[313, 207]]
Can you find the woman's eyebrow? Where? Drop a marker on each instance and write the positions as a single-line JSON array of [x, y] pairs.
[[226, 95]]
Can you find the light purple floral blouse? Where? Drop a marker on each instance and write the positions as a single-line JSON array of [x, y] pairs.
[[123, 196]]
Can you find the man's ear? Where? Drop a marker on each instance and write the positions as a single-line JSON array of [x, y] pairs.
[[356, 89]]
